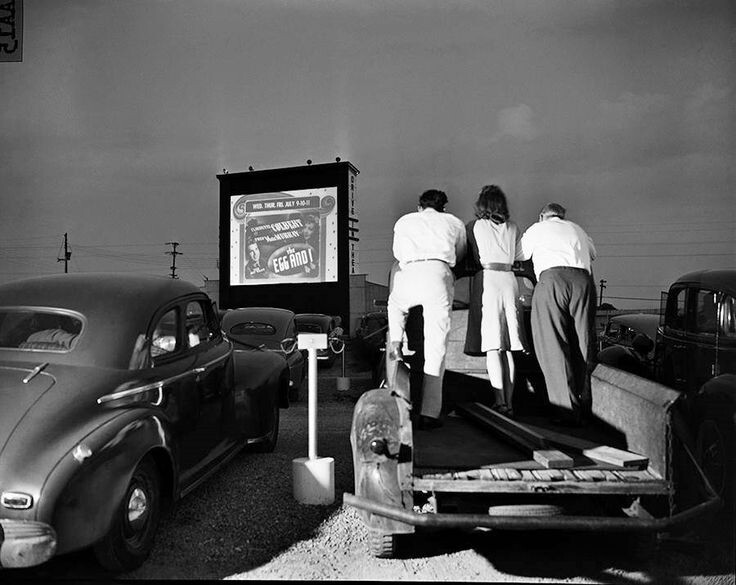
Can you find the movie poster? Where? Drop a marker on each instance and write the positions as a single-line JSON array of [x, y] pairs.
[[284, 237]]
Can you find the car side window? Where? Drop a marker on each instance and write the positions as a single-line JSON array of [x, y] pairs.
[[164, 338], [201, 323], [727, 318], [676, 309], [614, 330], [706, 312]]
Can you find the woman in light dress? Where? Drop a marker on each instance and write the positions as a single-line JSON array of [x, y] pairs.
[[494, 317]]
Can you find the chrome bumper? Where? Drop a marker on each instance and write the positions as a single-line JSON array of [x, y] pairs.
[[25, 543]]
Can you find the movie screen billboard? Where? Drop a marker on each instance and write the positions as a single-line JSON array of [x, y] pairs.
[[284, 237]]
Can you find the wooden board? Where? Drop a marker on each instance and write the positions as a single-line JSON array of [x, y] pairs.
[[552, 459], [616, 456], [592, 450], [530, 441]]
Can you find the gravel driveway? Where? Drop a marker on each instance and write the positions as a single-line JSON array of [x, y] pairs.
[[244, 523]]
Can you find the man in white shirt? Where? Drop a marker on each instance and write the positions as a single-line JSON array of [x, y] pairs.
[[563, 310], [427, 244]]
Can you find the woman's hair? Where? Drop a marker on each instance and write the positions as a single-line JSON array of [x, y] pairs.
[[491, 204]]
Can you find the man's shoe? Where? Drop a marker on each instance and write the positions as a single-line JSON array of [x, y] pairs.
[[567, 422], [427, 423]]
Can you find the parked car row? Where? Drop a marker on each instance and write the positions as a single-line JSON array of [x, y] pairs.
[[118, 396], [693, 342]]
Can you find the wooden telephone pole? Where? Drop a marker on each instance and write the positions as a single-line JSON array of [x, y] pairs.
[[67, 255], [173, 253]]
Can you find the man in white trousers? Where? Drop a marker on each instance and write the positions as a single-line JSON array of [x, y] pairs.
[[427, 244]]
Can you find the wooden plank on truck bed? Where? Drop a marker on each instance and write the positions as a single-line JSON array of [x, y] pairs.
[[552, 459], [592, 450], [532, 442], [478, 409], [616, 456]]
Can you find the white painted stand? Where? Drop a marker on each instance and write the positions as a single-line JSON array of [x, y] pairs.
[[314, 477]]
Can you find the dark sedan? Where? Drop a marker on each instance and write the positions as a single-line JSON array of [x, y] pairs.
[[272, 329], [118, 395], [320, 323]]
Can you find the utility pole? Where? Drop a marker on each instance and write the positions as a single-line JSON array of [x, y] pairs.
[[173, 253], [600, 297], [67, 255]]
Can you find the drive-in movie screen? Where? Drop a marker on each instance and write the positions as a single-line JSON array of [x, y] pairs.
[[284, 237]]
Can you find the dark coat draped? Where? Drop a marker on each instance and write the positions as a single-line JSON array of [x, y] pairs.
[[472, 268]]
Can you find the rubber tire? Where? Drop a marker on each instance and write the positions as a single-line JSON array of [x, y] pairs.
[[118, 552], [294, 392], [526, 510], [714, 452], [382, 545], [268, 444]]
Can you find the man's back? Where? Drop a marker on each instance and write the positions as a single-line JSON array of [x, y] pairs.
[[557, 242], [429, 234]]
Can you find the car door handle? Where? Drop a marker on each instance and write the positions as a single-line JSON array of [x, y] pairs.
[[199, 370]]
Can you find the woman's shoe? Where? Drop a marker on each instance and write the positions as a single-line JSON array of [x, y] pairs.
[[503, 409]]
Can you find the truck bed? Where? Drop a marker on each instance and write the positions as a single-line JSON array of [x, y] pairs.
[[462, 456]]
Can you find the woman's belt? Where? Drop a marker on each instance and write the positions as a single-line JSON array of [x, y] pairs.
[[425, 260], [499, 266]]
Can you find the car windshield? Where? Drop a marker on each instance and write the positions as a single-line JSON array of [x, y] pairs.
[[38, 329]]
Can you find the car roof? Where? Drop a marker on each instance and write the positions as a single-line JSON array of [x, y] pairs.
[[116, 308], [715, 279], [646, 323], [84, 292], [313, 317], [276, 316]]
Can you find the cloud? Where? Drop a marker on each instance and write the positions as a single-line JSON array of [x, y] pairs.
[[630, 109], [516, 122], [709, 116]]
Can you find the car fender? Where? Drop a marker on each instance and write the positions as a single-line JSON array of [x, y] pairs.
[[86, 487], [378, 455], [716, 399], [723, 387], [260, 378]]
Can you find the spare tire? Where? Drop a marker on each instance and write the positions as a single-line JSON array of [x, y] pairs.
[[526, 510]]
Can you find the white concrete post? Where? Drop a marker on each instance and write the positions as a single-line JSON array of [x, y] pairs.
[[312, 402], [314, 477]]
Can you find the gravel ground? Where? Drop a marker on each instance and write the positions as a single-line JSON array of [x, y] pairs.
[[244, 524]]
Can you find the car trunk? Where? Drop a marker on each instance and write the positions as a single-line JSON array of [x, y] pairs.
[[20, 388]]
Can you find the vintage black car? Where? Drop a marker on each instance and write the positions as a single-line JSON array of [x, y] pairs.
[[321, 323], [272, 329], [118, 395], [622, 329]]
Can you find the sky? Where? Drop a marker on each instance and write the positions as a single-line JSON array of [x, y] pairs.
[[121, 114]]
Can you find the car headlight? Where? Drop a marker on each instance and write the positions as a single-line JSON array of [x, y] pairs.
[[16, 500]]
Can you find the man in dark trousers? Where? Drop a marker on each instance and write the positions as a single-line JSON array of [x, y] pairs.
[[563, 311]]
